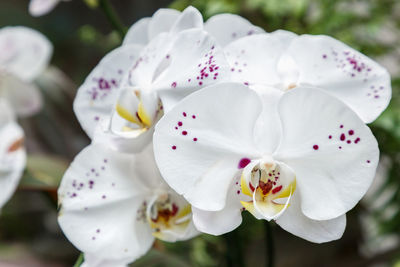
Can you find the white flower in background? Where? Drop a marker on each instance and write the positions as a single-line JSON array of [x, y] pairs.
[[12, 153], [42, 7], [285, 61], [302, 159], [132, 86], [113, 205], [225, 28], [25, 54]]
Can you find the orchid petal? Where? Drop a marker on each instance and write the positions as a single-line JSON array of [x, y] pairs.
[[198, 147], [253, 59], [101, 200], [332, 152], [24, 97], [138, 33], [96, 97], [25, 52], [227, 28], [162, 21], [295, 222], [352, 77], [12, 153], [188, 19], [41, 7]]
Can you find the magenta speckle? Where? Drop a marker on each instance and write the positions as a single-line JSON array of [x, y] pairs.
[[184, 132], [173, 85], [349, 141], [330, 137], [194, 116], [174, 147], [351, 132], [324, 56], [184, 114], [342, 137], [368, 161], [341, 126], [243, 163], [357, 140], [195, 139], [180, 123], [315, 147]]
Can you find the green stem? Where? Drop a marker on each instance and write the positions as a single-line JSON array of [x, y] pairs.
[[112, 17], [79, 261], [234, 255], [269, 243]]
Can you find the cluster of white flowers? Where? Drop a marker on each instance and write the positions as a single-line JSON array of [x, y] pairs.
[[25, 53], [194, 123]]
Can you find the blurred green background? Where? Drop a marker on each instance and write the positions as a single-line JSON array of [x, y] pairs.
[[29, 235]]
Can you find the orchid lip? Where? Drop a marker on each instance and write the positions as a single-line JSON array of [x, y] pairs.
[[270, 184]]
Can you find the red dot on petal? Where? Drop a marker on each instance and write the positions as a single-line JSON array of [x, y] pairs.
[[173, 147], [315, 147], [184, 132]]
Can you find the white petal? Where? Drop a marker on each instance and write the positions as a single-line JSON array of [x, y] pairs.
[[195, 62], [222, 221], [96, 97], [101, 197], [253, 59], [26, 51], [189, 18], [12, 154], [41, 7], [357, 80], [227, 28], [198, 147], [294, 221], [95, 261], [286, 37], [24, 97], [138, 33], [332, 152], [162, 21]]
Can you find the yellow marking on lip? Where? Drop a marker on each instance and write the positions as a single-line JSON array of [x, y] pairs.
[[124, 113], [245, 189], [288, 191]]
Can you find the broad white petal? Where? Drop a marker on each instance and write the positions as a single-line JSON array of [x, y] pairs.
[[332, 152], [101, 204], [96, 97], [189, 18], [138, 33], [357, 80], [195, 61], [12, 153], [41, 7], [227, 28], [162, 21], [286, 37], [254, 59], [222, 221], [198, 147], [295, 222], [25, 52], [24, 97]]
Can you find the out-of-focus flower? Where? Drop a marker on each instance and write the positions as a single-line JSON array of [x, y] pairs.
[[42, 7], [25, 54], [132, 86], [285, 61], [12, 152], [302, 159], [225, 28], [113, 205]]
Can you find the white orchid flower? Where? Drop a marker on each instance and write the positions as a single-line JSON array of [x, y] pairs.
[[302, 159], [225, 28], [12, 152], [286, 61], [25, 54], [39, 8], [113, 205], [131, 87]]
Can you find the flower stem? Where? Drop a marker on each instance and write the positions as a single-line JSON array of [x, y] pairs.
[[269, 243], [79, 261], [112, 17], [234, 255]]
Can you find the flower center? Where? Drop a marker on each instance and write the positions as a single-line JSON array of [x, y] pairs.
[[270, 184], [136, 112], [168, 216]]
